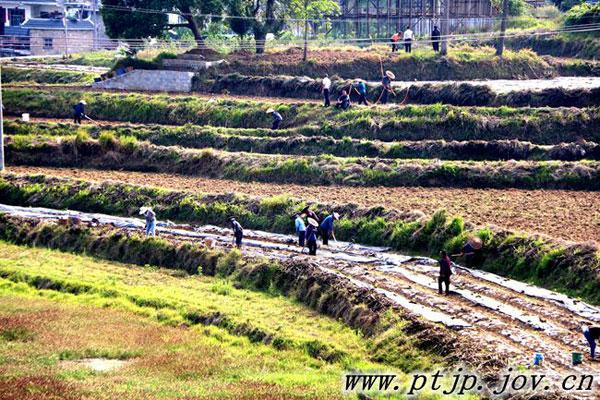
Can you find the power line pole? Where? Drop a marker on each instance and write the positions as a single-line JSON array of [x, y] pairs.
[[500, 44], [65, 20], [1, 125], [445, 25], [95, 10]]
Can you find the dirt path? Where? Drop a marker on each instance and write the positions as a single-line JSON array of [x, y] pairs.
[[503, 320], [570, 215]]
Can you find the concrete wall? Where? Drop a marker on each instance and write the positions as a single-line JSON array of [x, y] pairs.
[[150, 80], [77, 41]]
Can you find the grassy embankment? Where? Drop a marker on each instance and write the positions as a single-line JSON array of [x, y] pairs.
[[460, 94], [55, 314], [46, 76], [109, 152], [566, 267], [292, 142], [538, 125], [463, 63]]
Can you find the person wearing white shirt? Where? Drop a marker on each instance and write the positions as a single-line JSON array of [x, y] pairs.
[[326, 89], [408, 38]]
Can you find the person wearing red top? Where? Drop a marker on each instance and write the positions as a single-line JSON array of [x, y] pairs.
[[395, 38]]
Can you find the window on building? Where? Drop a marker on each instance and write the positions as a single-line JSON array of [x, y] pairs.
[[16, 16], [48, 43]]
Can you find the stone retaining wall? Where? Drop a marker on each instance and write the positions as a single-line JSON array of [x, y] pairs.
[[150, 80]]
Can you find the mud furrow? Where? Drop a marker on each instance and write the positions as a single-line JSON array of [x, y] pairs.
[[498, 326]]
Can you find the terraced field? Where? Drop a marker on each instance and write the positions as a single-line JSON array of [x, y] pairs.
[[406, 179], [539, 211]]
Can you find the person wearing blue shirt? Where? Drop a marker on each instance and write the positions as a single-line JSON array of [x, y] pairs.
[[277, 118], [343, 101], [300, 230], [327, 230], [361, 89], [79, 111], [471, 251]]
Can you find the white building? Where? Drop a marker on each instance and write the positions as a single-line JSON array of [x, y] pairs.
[[37, 26]]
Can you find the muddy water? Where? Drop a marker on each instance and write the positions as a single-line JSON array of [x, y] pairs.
[[505, 317], [502, 86]]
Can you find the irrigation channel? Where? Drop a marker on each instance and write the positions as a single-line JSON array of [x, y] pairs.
[[509, 318]]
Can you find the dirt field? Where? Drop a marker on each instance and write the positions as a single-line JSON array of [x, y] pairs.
[[509, 320], [570, 215]]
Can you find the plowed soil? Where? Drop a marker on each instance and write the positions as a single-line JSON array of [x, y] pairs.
[[569, 215]]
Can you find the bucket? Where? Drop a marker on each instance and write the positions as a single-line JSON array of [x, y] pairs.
[[577, 358], [538, 359], [25, 117]]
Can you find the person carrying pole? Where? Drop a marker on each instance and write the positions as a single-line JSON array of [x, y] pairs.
[[277, 118], [445, 272], [150, 216], [386, 83], [592, 334], [300, 230], [435, 38], [408, 38], [326, 90], [343, 101], [310, 214], [394, 39], [471, 251], [238, 232], [361, 89], [327, 230], [79, 111], [311, 236]]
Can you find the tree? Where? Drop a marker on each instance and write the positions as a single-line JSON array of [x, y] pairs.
[[128, 24], [242, 25], [262, 16], [312, 9], [132, 24], [500, 44]]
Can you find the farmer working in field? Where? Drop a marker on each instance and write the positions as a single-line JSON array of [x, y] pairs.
[[326, 89], [277, 118], [343, 101], [408, 38], [445, 272], [386, 83], [592, 334], [310, 213], [238, 232], [327, 230], [79, 111], [150, 216], [471, 251], [395, 38], [435, 39], [300, 229], [311, 236], [360, 87]]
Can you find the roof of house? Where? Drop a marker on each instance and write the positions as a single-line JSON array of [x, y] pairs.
[[57, 24], [15, 31], [46, 2]]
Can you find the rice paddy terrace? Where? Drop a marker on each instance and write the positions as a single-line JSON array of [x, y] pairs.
[[408, 180]]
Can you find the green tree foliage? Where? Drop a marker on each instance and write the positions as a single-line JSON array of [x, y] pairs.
[[260, 17], [566, 5], [312, 9], [583, 14], [129, 23], [515, 7]]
